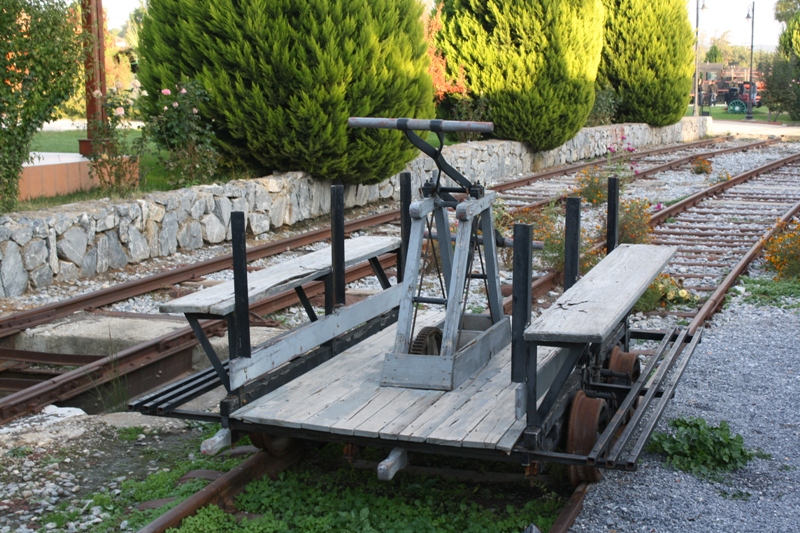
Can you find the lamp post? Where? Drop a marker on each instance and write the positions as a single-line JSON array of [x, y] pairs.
[[751, 16], [696, 58]]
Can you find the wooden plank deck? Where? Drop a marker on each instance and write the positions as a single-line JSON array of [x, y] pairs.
[[344, 396]]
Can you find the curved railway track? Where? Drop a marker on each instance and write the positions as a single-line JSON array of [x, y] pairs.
[[719, 231]]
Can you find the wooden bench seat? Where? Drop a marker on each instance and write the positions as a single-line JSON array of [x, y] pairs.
[[295, 272], [590, 310]]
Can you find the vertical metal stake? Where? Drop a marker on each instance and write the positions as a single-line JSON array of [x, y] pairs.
[[521, 300], [239, 338], [572, 241], [405, 222], [337, 243], [612, 224]]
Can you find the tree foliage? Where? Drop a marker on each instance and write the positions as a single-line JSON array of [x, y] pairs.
[[785, 10], [40, 55], [283, 76], [648, 59], [781, 89], [713, 55], [789, 39], [535, 61]]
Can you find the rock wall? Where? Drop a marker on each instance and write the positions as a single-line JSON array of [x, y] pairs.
[[80, 240]]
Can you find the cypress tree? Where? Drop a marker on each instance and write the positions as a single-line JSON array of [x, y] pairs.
[[283, 76], [789, 39], [535, 61], [648, 59]]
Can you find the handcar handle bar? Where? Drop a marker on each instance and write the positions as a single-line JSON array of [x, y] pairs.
[[407, 124]]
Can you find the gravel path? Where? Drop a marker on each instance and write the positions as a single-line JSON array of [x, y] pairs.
[[746, 370]]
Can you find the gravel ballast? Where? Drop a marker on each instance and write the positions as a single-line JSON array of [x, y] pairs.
[[746, 371]]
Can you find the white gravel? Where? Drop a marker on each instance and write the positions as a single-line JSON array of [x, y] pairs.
[[745, 371]]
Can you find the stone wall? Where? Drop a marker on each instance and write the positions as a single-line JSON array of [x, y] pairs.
[[80, 240]]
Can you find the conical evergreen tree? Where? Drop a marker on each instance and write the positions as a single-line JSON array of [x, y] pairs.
[[534, 60], [283, 76], [789, 39], [648, 59]]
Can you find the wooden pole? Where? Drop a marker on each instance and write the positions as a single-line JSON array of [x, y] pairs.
[[94, 63]]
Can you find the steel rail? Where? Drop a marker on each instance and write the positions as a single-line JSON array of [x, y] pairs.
[[101, 371]]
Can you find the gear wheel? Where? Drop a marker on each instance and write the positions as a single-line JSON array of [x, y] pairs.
[[427, 342]]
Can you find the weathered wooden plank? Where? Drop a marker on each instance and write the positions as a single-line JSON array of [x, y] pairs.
[[407, 415], [590, 310], [354, 399], [424, 425], [371, 426], [218, 300], [511, 436], [490, 430], [281, 349], [383, 400], [482, 404]]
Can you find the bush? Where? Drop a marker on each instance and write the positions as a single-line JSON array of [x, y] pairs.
[[535, 62], [782, 251], [592, 184], [634, 221], [701, 449], [284, 76], [548, 227], [665, 291], [39, 57], [114, 161], [190, 153], [701, 166], [648, 59], [604, 108]]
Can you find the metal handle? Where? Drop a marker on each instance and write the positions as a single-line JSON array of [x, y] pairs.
[[446, 126]]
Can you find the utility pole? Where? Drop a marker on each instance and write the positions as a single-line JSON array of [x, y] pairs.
[[94, 63]]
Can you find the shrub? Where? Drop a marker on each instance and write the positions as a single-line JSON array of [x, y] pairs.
[[782, 251], [701, 449], [592, 184], [535, 62], [648, 59], [701, 166], [284, 76], [604, 108], [548, 227], [634, 221], [190, 153], [40, 55], [114, 160]]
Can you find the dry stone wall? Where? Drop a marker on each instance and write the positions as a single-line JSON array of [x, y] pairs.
[[81, 240]]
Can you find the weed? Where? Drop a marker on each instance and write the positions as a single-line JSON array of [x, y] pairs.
[[668, 203], [634, 222], [592, 185], [701, 166], [701, 449], [779, 293], [663, 292], [548, 227], [721, 177], [782, 251], [670, 220], [787, 468], [737, 495], [19, 451], [129, 434]]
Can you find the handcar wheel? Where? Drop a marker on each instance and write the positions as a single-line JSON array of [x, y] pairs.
[[274, 445], [624, 363], [587, 419]]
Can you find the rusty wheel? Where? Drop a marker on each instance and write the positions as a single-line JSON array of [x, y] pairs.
[[272, 444], [624, 363], [587, 419], [427, 342]]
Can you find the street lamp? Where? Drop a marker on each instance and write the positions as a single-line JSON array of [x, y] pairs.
[[751, 16], [696, 58]]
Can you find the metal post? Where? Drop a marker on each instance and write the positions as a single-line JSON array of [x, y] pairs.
[[696, 60], [521, 301], [612, 223], [572, 241], [239, 335], [337, 244], [752, 17], [405, 222]]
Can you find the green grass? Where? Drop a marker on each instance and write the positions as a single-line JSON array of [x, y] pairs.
[[720, 112], [129, 433], [778, 293]]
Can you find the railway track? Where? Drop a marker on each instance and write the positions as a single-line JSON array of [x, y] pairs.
[[718, 232]]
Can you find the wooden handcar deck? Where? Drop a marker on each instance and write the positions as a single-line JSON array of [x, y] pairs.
[[344, 396]]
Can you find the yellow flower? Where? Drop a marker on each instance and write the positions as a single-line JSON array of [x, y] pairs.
[[683, 293], [670, 295]]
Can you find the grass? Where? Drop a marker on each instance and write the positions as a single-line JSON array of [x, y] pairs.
[[760, 114], [778, 293]]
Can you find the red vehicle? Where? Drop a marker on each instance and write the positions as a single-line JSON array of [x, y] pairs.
[[737, 97]]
